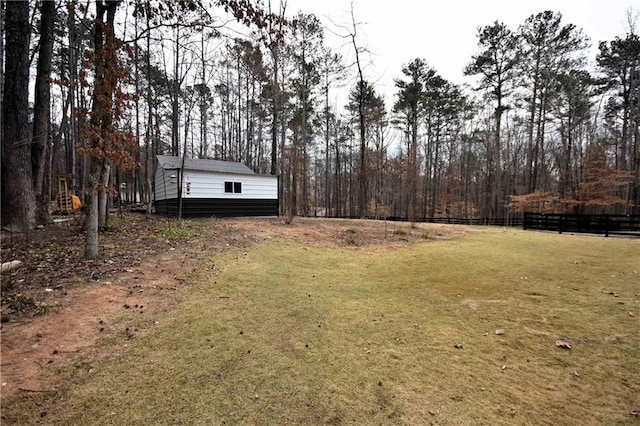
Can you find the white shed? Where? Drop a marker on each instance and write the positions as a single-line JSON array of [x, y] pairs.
[[213, 188]]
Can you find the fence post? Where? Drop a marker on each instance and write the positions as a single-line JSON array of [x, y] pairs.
[[606, 225], [524, 221], [561, 224]]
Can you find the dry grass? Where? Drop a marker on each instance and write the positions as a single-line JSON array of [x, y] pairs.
[[289, 333]]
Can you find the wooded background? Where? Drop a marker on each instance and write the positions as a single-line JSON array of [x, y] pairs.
[[97, 89]]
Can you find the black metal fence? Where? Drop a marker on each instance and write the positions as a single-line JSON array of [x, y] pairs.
[[607, 224]]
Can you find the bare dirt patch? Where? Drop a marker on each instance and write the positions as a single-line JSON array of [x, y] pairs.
[[58, 305], [348, 232]]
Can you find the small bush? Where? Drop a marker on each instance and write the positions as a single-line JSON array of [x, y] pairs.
[[350, 236], [287, 217], [42, 310], [427, 235], [27, 305], [22, 303], [400, 231]]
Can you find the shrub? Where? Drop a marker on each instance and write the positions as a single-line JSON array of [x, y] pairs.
[[350, 235], [427, 235], [400, 231], [287, 217]]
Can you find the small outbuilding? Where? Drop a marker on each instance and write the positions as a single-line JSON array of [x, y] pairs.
[[212, 188]]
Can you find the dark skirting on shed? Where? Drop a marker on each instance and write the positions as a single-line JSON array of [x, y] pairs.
[[219, 207]]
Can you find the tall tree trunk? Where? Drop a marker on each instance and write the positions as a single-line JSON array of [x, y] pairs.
[[337, 180], [436, 177], [149, 157], [413, 171], [274, 113], [72, 129], [497, 158], [274, 48], [531, 155], [327, 201], [41, 111], [103, 197], [101, 118], [204, 112], [138, 187], [362, 181], [175, 111], [18, 196], [362, 178], [92, 248]]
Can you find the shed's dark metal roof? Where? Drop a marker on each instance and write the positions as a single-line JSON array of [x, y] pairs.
[[170, 162]]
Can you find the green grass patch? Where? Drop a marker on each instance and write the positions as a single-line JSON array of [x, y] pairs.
[[293, 334], [180, 230]]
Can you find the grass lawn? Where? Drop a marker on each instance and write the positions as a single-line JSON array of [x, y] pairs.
[[289, 333]]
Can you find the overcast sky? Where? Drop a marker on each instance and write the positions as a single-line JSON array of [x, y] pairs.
[[444, 32]]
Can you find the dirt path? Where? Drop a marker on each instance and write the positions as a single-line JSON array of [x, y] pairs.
[[32, 347]]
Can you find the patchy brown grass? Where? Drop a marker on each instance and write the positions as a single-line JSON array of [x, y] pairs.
[[348, 232], [296, 324]]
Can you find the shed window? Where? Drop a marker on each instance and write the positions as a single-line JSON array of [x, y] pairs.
[[233, 187]]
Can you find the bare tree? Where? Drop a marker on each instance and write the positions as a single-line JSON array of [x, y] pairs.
[[362, 178]]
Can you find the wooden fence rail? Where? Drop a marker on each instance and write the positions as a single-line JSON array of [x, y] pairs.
[[512, 221], [607, 224]]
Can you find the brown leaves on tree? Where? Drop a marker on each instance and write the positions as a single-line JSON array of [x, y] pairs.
[[539, 201], [112, 100], [603, 183], [602, 187]]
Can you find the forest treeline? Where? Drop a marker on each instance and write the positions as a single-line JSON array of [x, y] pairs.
[[544, 128]]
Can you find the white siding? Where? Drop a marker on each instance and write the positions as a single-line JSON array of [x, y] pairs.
[[165, 187], [211, 185]]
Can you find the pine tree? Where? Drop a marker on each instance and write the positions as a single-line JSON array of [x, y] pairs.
[[496, 64], [409, 108], [549, 48], [619, 59]]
